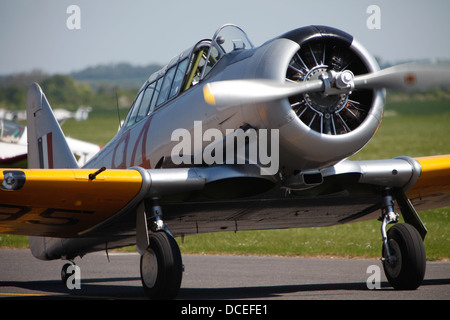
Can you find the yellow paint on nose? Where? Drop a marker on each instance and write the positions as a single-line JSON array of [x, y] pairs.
[[208, 95]]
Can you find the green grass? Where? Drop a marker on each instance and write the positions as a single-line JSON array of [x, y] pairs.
[[360, 239], [412, 128], [407, 130], [13, 241], [100, 128]]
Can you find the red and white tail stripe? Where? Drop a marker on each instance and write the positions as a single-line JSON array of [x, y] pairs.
[[45, 145]]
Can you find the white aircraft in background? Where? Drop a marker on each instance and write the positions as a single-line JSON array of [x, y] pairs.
[[13, 145], [82, 114]]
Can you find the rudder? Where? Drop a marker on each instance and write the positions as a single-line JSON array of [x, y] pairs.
[[47, 145]]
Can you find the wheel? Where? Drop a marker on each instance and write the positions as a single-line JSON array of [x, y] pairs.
[[407, 270], [161, 267], [64, 274]]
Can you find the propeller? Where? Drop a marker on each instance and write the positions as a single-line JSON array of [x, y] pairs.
[[233, 92], [405, 77]]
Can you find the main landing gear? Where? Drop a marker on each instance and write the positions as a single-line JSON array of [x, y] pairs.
[[65, 273], [161, 267], [161, 263], [403, 253]]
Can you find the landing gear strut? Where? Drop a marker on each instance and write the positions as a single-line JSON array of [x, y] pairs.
[[403, 253], [161, 263]]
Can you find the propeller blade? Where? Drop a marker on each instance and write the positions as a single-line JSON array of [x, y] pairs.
[[405, 77], [234, 92]]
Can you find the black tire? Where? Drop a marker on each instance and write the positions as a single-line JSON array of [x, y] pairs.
[[161, 267], [64, 274], [406, 246]]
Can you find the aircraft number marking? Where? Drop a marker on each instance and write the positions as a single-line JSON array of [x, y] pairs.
[[50, 216], [119, 157]]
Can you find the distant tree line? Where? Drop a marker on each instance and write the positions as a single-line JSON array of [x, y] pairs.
[[104, 86], [97, 87], [115, 71]]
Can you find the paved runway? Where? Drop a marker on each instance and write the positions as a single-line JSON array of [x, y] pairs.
[[215, 277]]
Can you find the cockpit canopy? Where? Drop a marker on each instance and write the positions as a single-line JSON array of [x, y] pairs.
[[230, 38], [186, 71]]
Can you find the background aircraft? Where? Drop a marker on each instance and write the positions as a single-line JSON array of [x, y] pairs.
[[13, 145], [314, 93], [81, 114]]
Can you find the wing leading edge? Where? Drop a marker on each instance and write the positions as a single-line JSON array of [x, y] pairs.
[[432, 189]]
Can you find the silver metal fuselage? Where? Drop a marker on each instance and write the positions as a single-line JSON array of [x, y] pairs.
[[148, 141]]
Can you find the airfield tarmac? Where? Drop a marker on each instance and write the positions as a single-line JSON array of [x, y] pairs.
[[214, 277]]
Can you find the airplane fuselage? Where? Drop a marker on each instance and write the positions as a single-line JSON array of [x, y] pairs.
[[146, 138]]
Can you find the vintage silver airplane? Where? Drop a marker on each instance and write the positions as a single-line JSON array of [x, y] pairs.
[[229, 136]]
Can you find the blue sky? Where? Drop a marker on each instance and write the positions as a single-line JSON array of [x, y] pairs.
[[34, 34]]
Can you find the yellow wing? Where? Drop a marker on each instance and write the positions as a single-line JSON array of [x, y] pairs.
[[66, 202], [432, 190], [62, 202]]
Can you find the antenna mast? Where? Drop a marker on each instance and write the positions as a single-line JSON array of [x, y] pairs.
[[118, 111]]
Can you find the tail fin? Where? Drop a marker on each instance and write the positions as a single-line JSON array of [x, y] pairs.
[[47, 146]]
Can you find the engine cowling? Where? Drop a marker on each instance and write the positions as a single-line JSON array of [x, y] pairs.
[[318, 129]]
